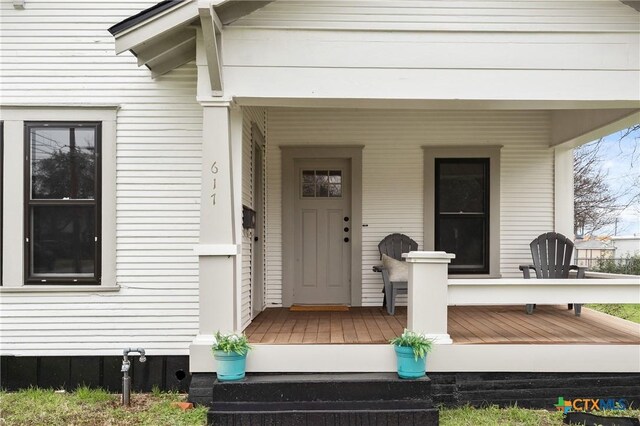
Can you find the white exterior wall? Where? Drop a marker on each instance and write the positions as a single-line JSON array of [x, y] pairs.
[[55, 53], [393, 191], [626, 246], [536, 51], [257, 116]]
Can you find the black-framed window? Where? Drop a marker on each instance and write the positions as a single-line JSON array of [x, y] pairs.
[[62, 202], [462, 213]]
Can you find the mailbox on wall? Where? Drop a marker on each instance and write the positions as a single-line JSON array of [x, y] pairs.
[[248, 218]]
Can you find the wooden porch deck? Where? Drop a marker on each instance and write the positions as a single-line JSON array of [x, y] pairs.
[[467, 325]]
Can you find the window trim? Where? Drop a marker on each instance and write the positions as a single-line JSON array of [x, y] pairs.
[[486, 214], [55, 279], [464, 151], [14, 117]]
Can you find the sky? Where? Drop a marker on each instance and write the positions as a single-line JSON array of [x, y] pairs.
[[622, 165]]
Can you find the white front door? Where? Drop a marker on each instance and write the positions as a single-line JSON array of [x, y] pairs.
[[322, 214]]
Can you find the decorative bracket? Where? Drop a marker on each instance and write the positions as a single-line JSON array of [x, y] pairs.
[[212, 34]]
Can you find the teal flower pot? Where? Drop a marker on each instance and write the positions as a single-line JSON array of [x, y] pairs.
[[231, 365], [408, 367]]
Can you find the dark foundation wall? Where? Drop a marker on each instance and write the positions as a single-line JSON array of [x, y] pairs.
[[531, 390], [69, 372], [505, 389]]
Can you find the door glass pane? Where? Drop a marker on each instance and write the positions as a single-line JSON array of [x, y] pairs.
[[63, 163], [462, 187], [63, 240], [308, 176], [308, 190], [465, 237], [321, 183]]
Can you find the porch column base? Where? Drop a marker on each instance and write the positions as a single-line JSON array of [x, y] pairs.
[[440, 339], [428, 293], [200, 355]]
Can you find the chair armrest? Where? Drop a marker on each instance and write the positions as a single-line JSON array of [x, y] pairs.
[[526, 269], [581, 270], [378, 268]]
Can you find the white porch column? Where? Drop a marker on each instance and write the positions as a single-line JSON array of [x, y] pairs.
[[563, 194], [218, 249], [427, 296]]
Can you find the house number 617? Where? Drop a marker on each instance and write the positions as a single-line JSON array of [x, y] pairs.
[[214, 172]]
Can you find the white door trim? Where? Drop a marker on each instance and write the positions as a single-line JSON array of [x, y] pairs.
[[291, 153]]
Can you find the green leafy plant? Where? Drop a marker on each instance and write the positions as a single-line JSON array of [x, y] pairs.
[[420, 344], [238, 343]]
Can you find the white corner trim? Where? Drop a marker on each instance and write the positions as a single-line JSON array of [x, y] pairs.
[[217, 250]]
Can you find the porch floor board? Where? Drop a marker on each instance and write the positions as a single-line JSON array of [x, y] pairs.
[[467, 325]]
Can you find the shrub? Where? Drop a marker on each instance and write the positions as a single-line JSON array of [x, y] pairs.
[[629, 265]]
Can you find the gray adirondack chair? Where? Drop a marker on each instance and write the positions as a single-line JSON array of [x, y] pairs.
[[551, 253], [394, 245]]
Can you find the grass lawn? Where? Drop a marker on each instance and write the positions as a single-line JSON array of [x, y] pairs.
[[96, 407], [629, 312]]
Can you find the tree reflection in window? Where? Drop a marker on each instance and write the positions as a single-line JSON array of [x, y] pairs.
[[63, 202], [321, 183]]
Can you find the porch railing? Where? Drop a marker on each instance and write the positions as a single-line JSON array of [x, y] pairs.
[[430, 291]]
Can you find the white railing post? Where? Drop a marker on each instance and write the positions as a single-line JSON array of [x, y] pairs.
[[427, 294]]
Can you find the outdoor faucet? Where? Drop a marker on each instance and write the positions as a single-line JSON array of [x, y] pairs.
[[126, 380]]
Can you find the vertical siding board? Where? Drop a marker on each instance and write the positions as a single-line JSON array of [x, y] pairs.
[[67, 57], [393, 175]]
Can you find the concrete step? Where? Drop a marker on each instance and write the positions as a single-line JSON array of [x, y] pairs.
[[310, 399]]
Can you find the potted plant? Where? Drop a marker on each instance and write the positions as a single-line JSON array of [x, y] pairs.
[[230, 351], [411, 353]]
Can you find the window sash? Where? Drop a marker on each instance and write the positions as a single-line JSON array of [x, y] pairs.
[[484, 215], [30, 203]]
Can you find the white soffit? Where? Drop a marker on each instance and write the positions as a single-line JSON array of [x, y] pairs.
[[163, 37]]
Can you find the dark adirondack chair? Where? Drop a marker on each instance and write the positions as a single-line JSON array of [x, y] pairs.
[[551, 253], [394, 245]]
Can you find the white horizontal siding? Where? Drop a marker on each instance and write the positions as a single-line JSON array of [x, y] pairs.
[[56, 52], [393, 185], [452, 15], [526, 50], [257, 116]]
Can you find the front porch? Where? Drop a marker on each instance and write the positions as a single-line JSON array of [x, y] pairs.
[[466, 325]]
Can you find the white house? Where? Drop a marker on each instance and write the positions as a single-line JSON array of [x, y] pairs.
[[626, 246], [329, 125]]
